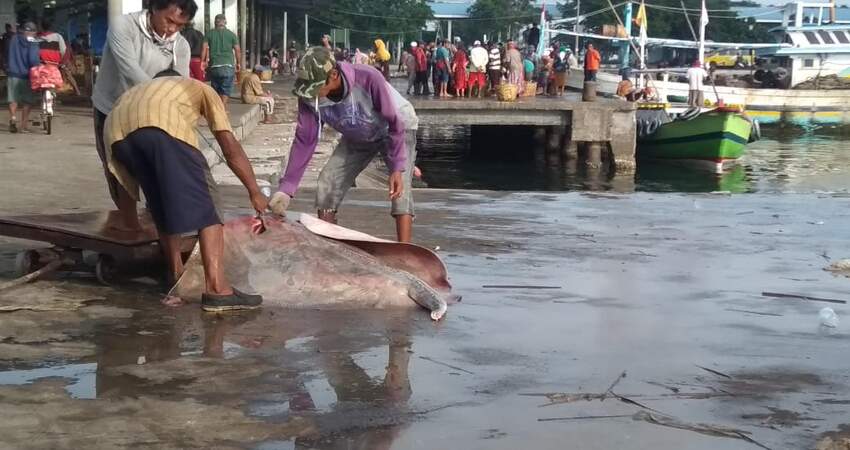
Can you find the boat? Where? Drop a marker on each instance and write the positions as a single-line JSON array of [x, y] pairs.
[[712, 139], [808, 54]]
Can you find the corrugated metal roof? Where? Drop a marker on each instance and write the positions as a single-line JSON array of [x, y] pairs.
[[773, 14]]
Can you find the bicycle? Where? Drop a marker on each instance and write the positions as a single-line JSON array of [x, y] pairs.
[[48, 97]]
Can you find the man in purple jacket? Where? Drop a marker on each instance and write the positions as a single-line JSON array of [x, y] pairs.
[[372, 118]]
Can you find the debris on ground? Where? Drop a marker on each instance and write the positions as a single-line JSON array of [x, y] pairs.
[[702, 428], [840, 267], [803, 297]]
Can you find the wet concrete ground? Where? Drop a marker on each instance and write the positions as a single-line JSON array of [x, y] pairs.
[[666, 287]]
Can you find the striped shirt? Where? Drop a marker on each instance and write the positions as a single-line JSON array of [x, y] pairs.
[[495, 59], [172, 104]]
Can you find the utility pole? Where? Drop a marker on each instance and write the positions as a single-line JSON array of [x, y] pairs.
[[575, 25], [625, 46], [284, 47], [306, 31]]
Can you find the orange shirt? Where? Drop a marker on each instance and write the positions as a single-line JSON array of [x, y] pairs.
[[591, 59]]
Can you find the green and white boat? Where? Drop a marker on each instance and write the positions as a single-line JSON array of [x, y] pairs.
[[707, 139]]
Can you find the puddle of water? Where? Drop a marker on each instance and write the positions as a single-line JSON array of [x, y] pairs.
[[275, 445], [269, 409], [83, 378]]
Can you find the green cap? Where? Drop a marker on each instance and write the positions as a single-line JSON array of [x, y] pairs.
[[313, 70]]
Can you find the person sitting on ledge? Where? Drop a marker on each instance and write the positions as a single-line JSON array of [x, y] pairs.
[[253, 94]]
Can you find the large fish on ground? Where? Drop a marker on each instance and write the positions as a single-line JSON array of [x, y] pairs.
[[314, 264]]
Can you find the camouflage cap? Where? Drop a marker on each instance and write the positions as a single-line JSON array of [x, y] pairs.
[[313, 70]]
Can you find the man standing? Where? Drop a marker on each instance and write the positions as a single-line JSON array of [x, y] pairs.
[[696, 75], [533, 37], [152, 142], [200, 52], [225, 54], [292, 56], [495, 66], [22, 55], [139, 45], [421, 86], [478, 57], [442, 63], [372, 117], [591, 63]]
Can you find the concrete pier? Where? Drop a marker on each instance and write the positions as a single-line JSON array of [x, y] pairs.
[[609, 124]]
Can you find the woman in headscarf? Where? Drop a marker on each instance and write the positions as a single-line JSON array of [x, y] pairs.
[[514, 64], [459, 63], [382, 58]]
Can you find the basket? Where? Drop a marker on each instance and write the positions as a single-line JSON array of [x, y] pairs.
[[530, 89], [506, 92], [266, 75]]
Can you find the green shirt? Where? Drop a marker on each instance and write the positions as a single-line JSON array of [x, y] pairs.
[[221, 42]]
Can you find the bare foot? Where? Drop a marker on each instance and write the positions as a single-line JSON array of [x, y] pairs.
[[172, 301]]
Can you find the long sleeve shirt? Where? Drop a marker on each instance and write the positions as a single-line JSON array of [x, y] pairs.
[[133, 55], [370, 111]]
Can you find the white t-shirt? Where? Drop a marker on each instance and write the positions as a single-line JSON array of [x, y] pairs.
[[695, 77]]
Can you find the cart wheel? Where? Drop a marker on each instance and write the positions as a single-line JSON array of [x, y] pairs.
[[104, 270], [48, 124], [26, 262]]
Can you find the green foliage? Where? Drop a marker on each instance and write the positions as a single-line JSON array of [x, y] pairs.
[[493, 16], [672, 25], [371, 19]]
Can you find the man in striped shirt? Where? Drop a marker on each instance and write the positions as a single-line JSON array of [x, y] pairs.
[[494, 67], [152, 142]]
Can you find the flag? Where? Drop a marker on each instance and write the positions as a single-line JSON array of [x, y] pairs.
[[640, 20], [703, 21], [543, 44]]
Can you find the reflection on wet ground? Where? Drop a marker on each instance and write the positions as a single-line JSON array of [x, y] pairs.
[[664, 287], [786, 160]]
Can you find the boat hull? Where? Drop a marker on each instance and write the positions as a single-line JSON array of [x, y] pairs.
[[802, 107], [709, 140]]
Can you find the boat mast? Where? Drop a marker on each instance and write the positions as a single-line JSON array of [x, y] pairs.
[[703, 21]]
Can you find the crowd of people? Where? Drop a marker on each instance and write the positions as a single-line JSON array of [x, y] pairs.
[[450, 68]]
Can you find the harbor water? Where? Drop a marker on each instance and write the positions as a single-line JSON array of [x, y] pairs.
[[785, 160]]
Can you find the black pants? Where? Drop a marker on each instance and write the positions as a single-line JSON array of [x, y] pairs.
[[421, 83]]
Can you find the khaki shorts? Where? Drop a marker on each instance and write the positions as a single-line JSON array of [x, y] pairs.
[[351, 158]]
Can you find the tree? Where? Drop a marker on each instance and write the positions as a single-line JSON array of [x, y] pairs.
[[493, 16], [669, 22], [371, 19]]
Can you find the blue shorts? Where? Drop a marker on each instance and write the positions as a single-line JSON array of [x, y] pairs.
[[443, 75], [221, 79], [175, 178]]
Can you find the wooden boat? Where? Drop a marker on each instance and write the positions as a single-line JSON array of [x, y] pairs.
[[709, 140]]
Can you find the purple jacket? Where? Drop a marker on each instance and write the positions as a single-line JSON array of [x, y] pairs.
[[370, 111]]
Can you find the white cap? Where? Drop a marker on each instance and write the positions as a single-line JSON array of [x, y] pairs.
[[476, 43], [413, 44]]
